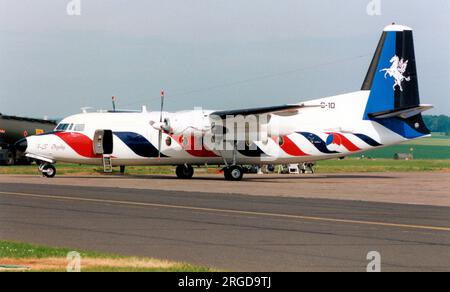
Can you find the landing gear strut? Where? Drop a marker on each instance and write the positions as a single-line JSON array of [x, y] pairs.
[[122, 169], [47, 170], [233, 173], [185, 171]]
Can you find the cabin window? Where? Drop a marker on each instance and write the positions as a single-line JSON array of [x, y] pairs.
[[169, 141], [62, 127], [79, 128]]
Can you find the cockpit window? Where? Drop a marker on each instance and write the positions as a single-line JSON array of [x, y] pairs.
[[62, 127], [79, 128], [70, 127]]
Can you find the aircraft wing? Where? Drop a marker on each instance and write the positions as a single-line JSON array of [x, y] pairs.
[[282, 109]]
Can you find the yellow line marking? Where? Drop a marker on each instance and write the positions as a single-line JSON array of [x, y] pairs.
[[227, 211]]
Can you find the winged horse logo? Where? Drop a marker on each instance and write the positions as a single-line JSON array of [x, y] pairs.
[[397, 71]]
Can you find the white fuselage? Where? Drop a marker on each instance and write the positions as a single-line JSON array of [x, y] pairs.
[[330, 128]]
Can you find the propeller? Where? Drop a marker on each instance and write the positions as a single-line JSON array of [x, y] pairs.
[[161, 126]]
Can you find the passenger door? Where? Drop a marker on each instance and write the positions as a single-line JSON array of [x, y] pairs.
[[103, 142]]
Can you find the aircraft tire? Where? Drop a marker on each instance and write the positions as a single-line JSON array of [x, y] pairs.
[[185, 172], [11, 159], [49, 171], [234, 173]]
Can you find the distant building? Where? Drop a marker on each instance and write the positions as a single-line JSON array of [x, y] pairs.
[[404, 156], [13, 129]]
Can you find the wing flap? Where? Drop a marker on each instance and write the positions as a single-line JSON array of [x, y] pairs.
[[288, 109]]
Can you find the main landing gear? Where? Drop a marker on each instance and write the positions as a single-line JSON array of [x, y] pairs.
[[233, 173], [47, 170], [185, 171]]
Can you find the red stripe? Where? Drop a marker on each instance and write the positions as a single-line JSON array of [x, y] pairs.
[[346, 142], [291, 148], [190, 148], [80, 143]]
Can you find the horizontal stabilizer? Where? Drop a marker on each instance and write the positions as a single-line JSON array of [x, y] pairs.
[[404, 113]]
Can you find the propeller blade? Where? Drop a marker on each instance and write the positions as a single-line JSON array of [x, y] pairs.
[[159, 143], [162, 106], [160, 121]]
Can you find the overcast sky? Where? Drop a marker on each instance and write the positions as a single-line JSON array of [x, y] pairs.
[[212, 53]]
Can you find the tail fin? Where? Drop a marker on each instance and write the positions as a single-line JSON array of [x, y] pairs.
[[393, 85]]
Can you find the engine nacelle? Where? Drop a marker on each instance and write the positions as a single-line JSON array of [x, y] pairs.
[[188, 123]]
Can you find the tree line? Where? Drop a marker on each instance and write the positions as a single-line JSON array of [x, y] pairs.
[[439, 124]]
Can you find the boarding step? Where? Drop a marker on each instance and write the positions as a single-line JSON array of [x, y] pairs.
[[107, 164]]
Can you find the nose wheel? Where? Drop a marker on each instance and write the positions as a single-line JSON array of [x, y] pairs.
[[234, 173], [48, 170]]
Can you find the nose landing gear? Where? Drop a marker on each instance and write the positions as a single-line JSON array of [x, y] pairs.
[[47, 170]]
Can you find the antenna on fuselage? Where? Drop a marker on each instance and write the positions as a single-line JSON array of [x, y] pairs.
[[114, 103]]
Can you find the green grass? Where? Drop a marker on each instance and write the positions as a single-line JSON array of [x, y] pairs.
[[177, 269], [75, 169], [67, 169], [430, 142], [437, 147], [16, 250], [419, 152], [352, 164], [440, 136], [381, 165], [24, 250]]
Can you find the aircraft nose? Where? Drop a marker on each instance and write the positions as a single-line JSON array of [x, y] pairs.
[[21, 145]]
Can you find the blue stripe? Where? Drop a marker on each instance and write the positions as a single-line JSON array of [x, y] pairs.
[[318, 143], [138, 144], [368, 140], [249, 151]]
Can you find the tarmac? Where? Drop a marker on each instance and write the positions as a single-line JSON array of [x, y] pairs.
[[264, 223]]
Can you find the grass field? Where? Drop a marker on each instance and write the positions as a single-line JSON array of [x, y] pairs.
[[431, 152], [381, 165], [41, 258], [67, 169], [327, 166], [440, 136], [436, 147]]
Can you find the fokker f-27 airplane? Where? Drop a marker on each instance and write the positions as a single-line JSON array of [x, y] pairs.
[[386, 111]]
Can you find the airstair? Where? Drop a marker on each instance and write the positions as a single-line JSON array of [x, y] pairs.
[[107, 164]]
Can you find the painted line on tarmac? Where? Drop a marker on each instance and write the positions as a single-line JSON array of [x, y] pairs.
[[229, 211]]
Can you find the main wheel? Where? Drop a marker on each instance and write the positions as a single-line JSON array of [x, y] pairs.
[[185, 172], [49, 171], [10, 160], [234, 173]]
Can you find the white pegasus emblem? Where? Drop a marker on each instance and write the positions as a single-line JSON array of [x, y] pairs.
[[396, 71]]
